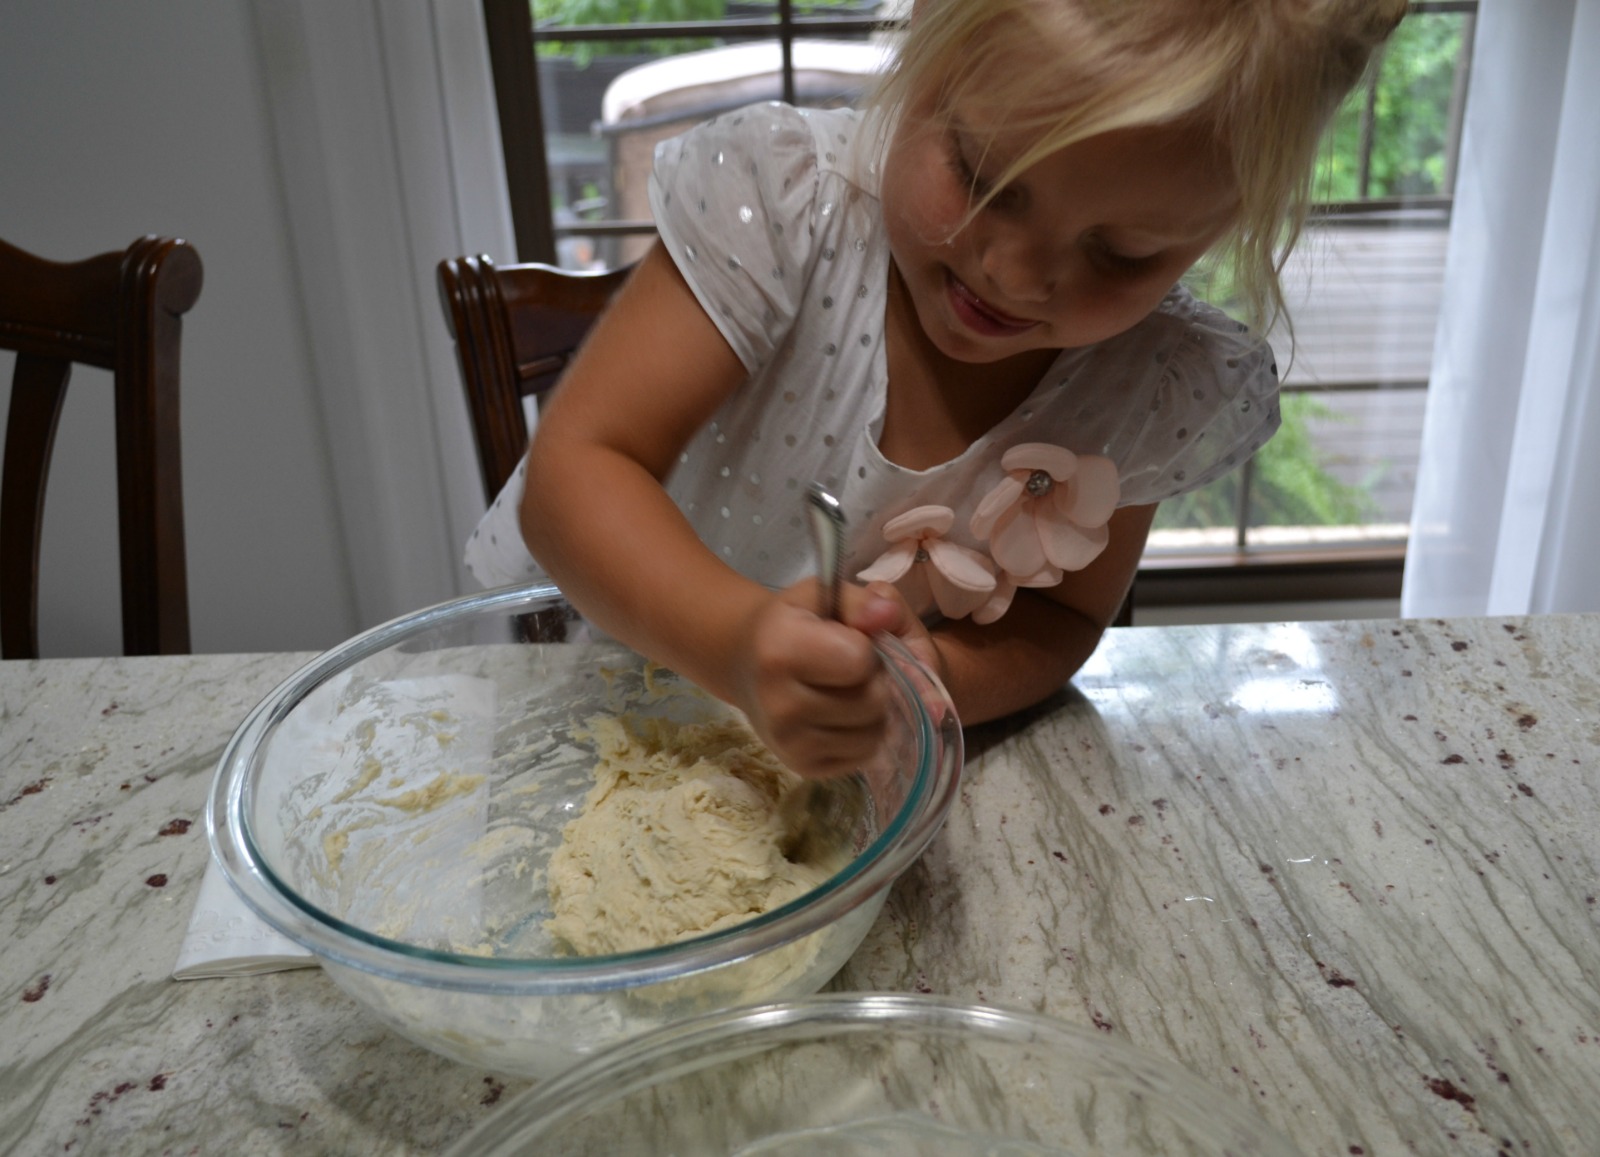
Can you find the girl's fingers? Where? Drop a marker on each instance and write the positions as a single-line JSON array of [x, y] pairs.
[[820, 692], [875, 607], [796, 645], [869, 609], [837, 709], [822, 730], [816, 752]]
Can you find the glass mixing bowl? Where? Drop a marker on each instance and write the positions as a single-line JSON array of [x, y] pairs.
[[874, 1076], [392, 805]]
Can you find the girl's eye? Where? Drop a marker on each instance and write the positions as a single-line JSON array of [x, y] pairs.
[[976, 185], [1119, 262], [1123, 261]]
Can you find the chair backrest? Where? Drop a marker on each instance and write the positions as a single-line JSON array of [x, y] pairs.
[[120, 311], [516, 327]]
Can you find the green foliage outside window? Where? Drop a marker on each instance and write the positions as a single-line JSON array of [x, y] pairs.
[[568, 13], [1290, 487], [1411, 117]]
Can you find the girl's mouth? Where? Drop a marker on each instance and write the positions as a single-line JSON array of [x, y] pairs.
[[979, 316]]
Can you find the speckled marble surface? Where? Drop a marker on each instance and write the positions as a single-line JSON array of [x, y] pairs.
[[1346, 872]]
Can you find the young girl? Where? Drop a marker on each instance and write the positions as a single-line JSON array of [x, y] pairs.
[[959, 312]]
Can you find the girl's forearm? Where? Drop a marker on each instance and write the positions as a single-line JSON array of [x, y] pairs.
[[624, 555], [1046, 636], [1031, 653], [654, 370]]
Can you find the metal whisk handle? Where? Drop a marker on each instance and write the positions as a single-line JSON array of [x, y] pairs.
[[827, 535]]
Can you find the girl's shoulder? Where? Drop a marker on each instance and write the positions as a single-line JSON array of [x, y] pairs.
[[1195, 336], [771, 131], [1196, 393], [1191, 350], [748, 204]]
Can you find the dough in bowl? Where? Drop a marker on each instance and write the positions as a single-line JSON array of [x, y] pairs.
[[678, 837]]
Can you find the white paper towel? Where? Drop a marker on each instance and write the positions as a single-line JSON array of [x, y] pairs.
[[225, 938]]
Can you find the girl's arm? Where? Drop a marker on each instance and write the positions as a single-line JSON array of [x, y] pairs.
[[594, 513], [1044, 638]]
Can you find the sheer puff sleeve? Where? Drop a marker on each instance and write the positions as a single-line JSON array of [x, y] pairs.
[[1213, 402], [733, 200]]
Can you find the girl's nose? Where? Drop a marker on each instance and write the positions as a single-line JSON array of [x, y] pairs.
[[1020, 269]]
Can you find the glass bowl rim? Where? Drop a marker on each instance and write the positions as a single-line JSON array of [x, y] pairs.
[[634, 1063], [252, 879]]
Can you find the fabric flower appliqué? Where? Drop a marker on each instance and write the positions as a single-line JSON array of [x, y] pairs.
[[928, 570], [1048, 514]]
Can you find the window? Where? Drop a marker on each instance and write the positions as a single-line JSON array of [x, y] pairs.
[[1363, 288], [607, 79], [586, 88]]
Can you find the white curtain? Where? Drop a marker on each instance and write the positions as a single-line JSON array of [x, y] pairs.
[[389, 152], [1507, 514]]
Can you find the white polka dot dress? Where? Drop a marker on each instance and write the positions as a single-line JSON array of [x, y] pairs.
[[772, 215]]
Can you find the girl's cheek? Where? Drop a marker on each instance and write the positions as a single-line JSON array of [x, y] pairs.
[[921, 220], [943, 217], [931, 203], [1108, 309]]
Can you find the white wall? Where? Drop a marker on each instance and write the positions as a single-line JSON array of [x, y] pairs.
[[306, 519]]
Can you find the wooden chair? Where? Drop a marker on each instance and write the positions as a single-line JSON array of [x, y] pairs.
[[516, 327], [120, 311]]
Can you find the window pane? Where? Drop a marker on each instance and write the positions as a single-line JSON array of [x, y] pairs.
[[1316, 482], [1344, 471], [1203, 521], [592, 158], [1341, 471], [1362, 290], [608, 103], [585, 251], [1399, 136]]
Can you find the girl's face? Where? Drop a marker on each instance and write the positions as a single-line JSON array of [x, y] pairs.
[[1081, 246]]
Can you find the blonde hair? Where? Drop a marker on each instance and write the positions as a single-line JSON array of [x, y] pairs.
[[1262, 77]]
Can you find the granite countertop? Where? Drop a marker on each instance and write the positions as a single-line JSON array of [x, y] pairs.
[[1345, 872]]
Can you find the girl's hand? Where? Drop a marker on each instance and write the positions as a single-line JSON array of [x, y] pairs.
[[815, 690], [908, 627]]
